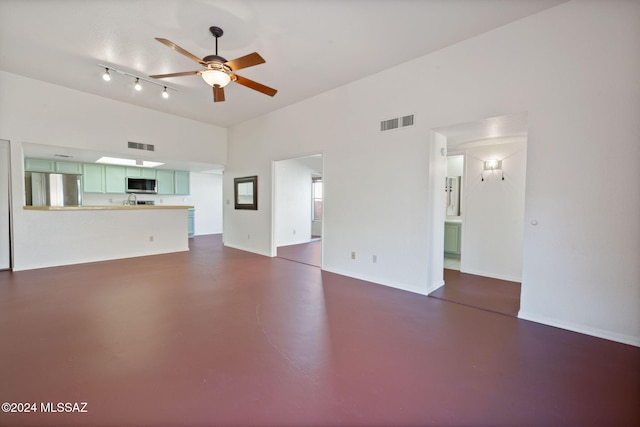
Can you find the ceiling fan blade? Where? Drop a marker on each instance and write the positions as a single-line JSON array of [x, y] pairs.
[[245, 61], [177, 48], [218, 94], [184, 73], [255, 85]]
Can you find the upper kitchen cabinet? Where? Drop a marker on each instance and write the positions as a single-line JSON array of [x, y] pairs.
[[93, 178], [141, 172], [166, 181], [69, 167], [39, 165], [52, 166], [182, 183], [114, 179]]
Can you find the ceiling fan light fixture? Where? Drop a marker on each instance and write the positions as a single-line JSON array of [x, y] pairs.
[[216, 78]]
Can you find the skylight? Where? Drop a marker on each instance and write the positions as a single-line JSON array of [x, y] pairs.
[[128, 162]]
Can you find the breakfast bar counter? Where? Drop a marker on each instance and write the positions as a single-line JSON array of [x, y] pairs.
[[108, 207], [63, 235]]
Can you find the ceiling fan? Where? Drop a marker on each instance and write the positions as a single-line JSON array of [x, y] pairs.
[[218, 71]]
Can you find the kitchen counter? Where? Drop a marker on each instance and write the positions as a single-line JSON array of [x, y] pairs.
[[108, 207], [63, 235]]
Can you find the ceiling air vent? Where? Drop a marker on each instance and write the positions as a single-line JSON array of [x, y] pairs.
[[397, 123], [140, 146]]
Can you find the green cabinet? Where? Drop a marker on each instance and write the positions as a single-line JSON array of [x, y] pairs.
[[166, 184], [192, 217], [114, 179], [52, 166], [452, 234], [182, 182], [69, 167], [93, 178], [140, 172], [39, 165]]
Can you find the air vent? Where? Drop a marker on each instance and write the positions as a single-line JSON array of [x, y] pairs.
[[388, 124], [397, 123], [140, 146], [64, 156]]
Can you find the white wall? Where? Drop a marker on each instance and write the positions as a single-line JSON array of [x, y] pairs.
[[493, 218], [577, 80], [293, 202], [37, 112]]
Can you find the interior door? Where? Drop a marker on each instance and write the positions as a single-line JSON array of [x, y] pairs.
[[5, 239]]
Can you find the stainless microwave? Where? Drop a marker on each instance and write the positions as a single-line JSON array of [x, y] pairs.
[[142, 185]]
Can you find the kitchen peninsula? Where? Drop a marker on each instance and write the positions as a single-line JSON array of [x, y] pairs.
[[80, 234]]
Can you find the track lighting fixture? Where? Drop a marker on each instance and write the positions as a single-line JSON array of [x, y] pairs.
[[138, 80]]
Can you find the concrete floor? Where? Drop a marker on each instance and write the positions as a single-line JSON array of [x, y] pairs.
[[217, 336]]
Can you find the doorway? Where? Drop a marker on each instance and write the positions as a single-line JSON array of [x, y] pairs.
[[486, 233], [298, 202]]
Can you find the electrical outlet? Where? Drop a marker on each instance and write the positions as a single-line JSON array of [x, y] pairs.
[[374, 259], [353, 255]]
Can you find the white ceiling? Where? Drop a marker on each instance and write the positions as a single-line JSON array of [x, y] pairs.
[[310, 46], [486, 131]]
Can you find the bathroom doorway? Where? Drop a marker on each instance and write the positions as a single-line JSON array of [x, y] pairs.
[[484, 228]]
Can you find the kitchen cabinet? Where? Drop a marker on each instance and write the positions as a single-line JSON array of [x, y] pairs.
[[192, 218], [452, 234], [166, 184], [69, 167], [114, 179], [140, 172], [182, 182], [39, 165], [93, 178]]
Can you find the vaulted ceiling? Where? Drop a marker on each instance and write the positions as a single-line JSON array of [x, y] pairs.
[[309, 46]]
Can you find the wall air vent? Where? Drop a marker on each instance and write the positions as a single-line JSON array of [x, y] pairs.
[[397, 123], [140, 146]]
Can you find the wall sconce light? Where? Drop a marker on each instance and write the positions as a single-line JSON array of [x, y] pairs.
[[492, 165], [106, 76], [137, 86]]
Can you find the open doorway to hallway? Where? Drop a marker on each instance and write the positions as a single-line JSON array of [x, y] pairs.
[[484, 212], [298, 202]]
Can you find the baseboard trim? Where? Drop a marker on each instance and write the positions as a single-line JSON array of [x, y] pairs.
[[595, 332], [243, 248], [377, 281]]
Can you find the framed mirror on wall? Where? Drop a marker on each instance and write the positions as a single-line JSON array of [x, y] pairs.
[[245, 192]]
